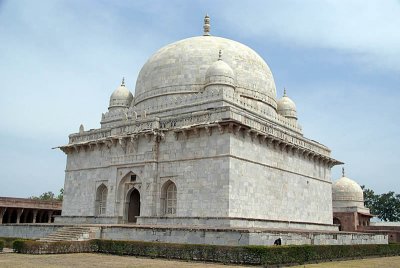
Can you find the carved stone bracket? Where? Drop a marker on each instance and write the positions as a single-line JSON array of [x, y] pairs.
[[108, 143], [76, 148], [185, 133], [208, 130], [221, 129], [230, 128], [161, 136], [148, 136], [196, 132]]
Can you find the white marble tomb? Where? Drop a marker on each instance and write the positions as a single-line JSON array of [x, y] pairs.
[[204, 141]]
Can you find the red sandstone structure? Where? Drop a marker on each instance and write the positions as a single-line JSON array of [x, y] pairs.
[[350, 214], [392, 229], [25, 210]]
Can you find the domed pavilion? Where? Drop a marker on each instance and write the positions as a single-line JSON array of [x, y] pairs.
[[349, 211], [202, 141]]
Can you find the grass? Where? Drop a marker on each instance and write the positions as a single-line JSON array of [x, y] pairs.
[[101, 260], [385, 262]]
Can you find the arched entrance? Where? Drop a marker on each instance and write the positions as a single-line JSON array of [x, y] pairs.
[[134, 206], [337, 221]]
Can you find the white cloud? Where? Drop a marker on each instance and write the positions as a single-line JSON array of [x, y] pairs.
[[366, 28]]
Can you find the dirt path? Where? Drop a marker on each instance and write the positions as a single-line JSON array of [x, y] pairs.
[[94, 260]]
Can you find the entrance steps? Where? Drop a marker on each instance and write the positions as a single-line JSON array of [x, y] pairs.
[[70, 233]]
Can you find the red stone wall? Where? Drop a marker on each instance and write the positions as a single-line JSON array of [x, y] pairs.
[[351, 221], [347, 220], [392, 231]]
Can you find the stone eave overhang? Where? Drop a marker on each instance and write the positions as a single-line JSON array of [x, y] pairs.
[[281, 143], [226, 125]]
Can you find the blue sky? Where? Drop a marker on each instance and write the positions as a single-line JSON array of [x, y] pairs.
[[61, 60]]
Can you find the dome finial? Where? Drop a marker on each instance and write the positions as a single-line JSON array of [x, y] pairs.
[[206, 26], [342, 171], [284, 92], [220, 55], [123, 81]]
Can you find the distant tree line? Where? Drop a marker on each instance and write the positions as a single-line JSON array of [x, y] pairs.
[[50, 196], [385, 206]]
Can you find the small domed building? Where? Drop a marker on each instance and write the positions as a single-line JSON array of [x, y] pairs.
[[203, 141], [349, 211]]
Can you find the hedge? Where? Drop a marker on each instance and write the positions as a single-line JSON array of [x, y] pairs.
[[255, 255], [36, 247], [1, 245], [8, 241]]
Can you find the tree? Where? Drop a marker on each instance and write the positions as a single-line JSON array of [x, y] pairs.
[[45, 196], [370, 200], [50, 196], [60, 196], [388, 206], [385, 206]]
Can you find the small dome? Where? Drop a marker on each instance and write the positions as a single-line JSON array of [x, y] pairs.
[[121, 97], [286, 107], [220, 73], [346, 189]]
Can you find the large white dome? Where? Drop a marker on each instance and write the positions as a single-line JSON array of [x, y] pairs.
[[180, 68]]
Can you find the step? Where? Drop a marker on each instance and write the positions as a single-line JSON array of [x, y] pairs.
[[67, 233]]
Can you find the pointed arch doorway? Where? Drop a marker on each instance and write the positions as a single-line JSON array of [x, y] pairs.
[[337, 222], [133, 206]]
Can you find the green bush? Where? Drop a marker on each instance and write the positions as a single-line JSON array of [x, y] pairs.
[[8, 241], [36, 247], [254, 255], [1, 245], [19, 245], [257, 255]]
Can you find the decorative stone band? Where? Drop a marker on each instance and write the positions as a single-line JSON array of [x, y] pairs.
[[289, 113], [169, 90], [351, 208], [188, 93], [347, 197], [119, 103], [127, 127], [275, 140], [176, 102], [220, 80], [123, 127]]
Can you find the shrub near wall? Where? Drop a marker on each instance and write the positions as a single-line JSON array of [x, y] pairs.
[[8, 241], [256, 255], [1, 245], [308, 253], [224, 254], [264, 255], [36, 247]]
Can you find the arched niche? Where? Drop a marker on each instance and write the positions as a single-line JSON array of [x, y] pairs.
[[169, 198], [101, 200]]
